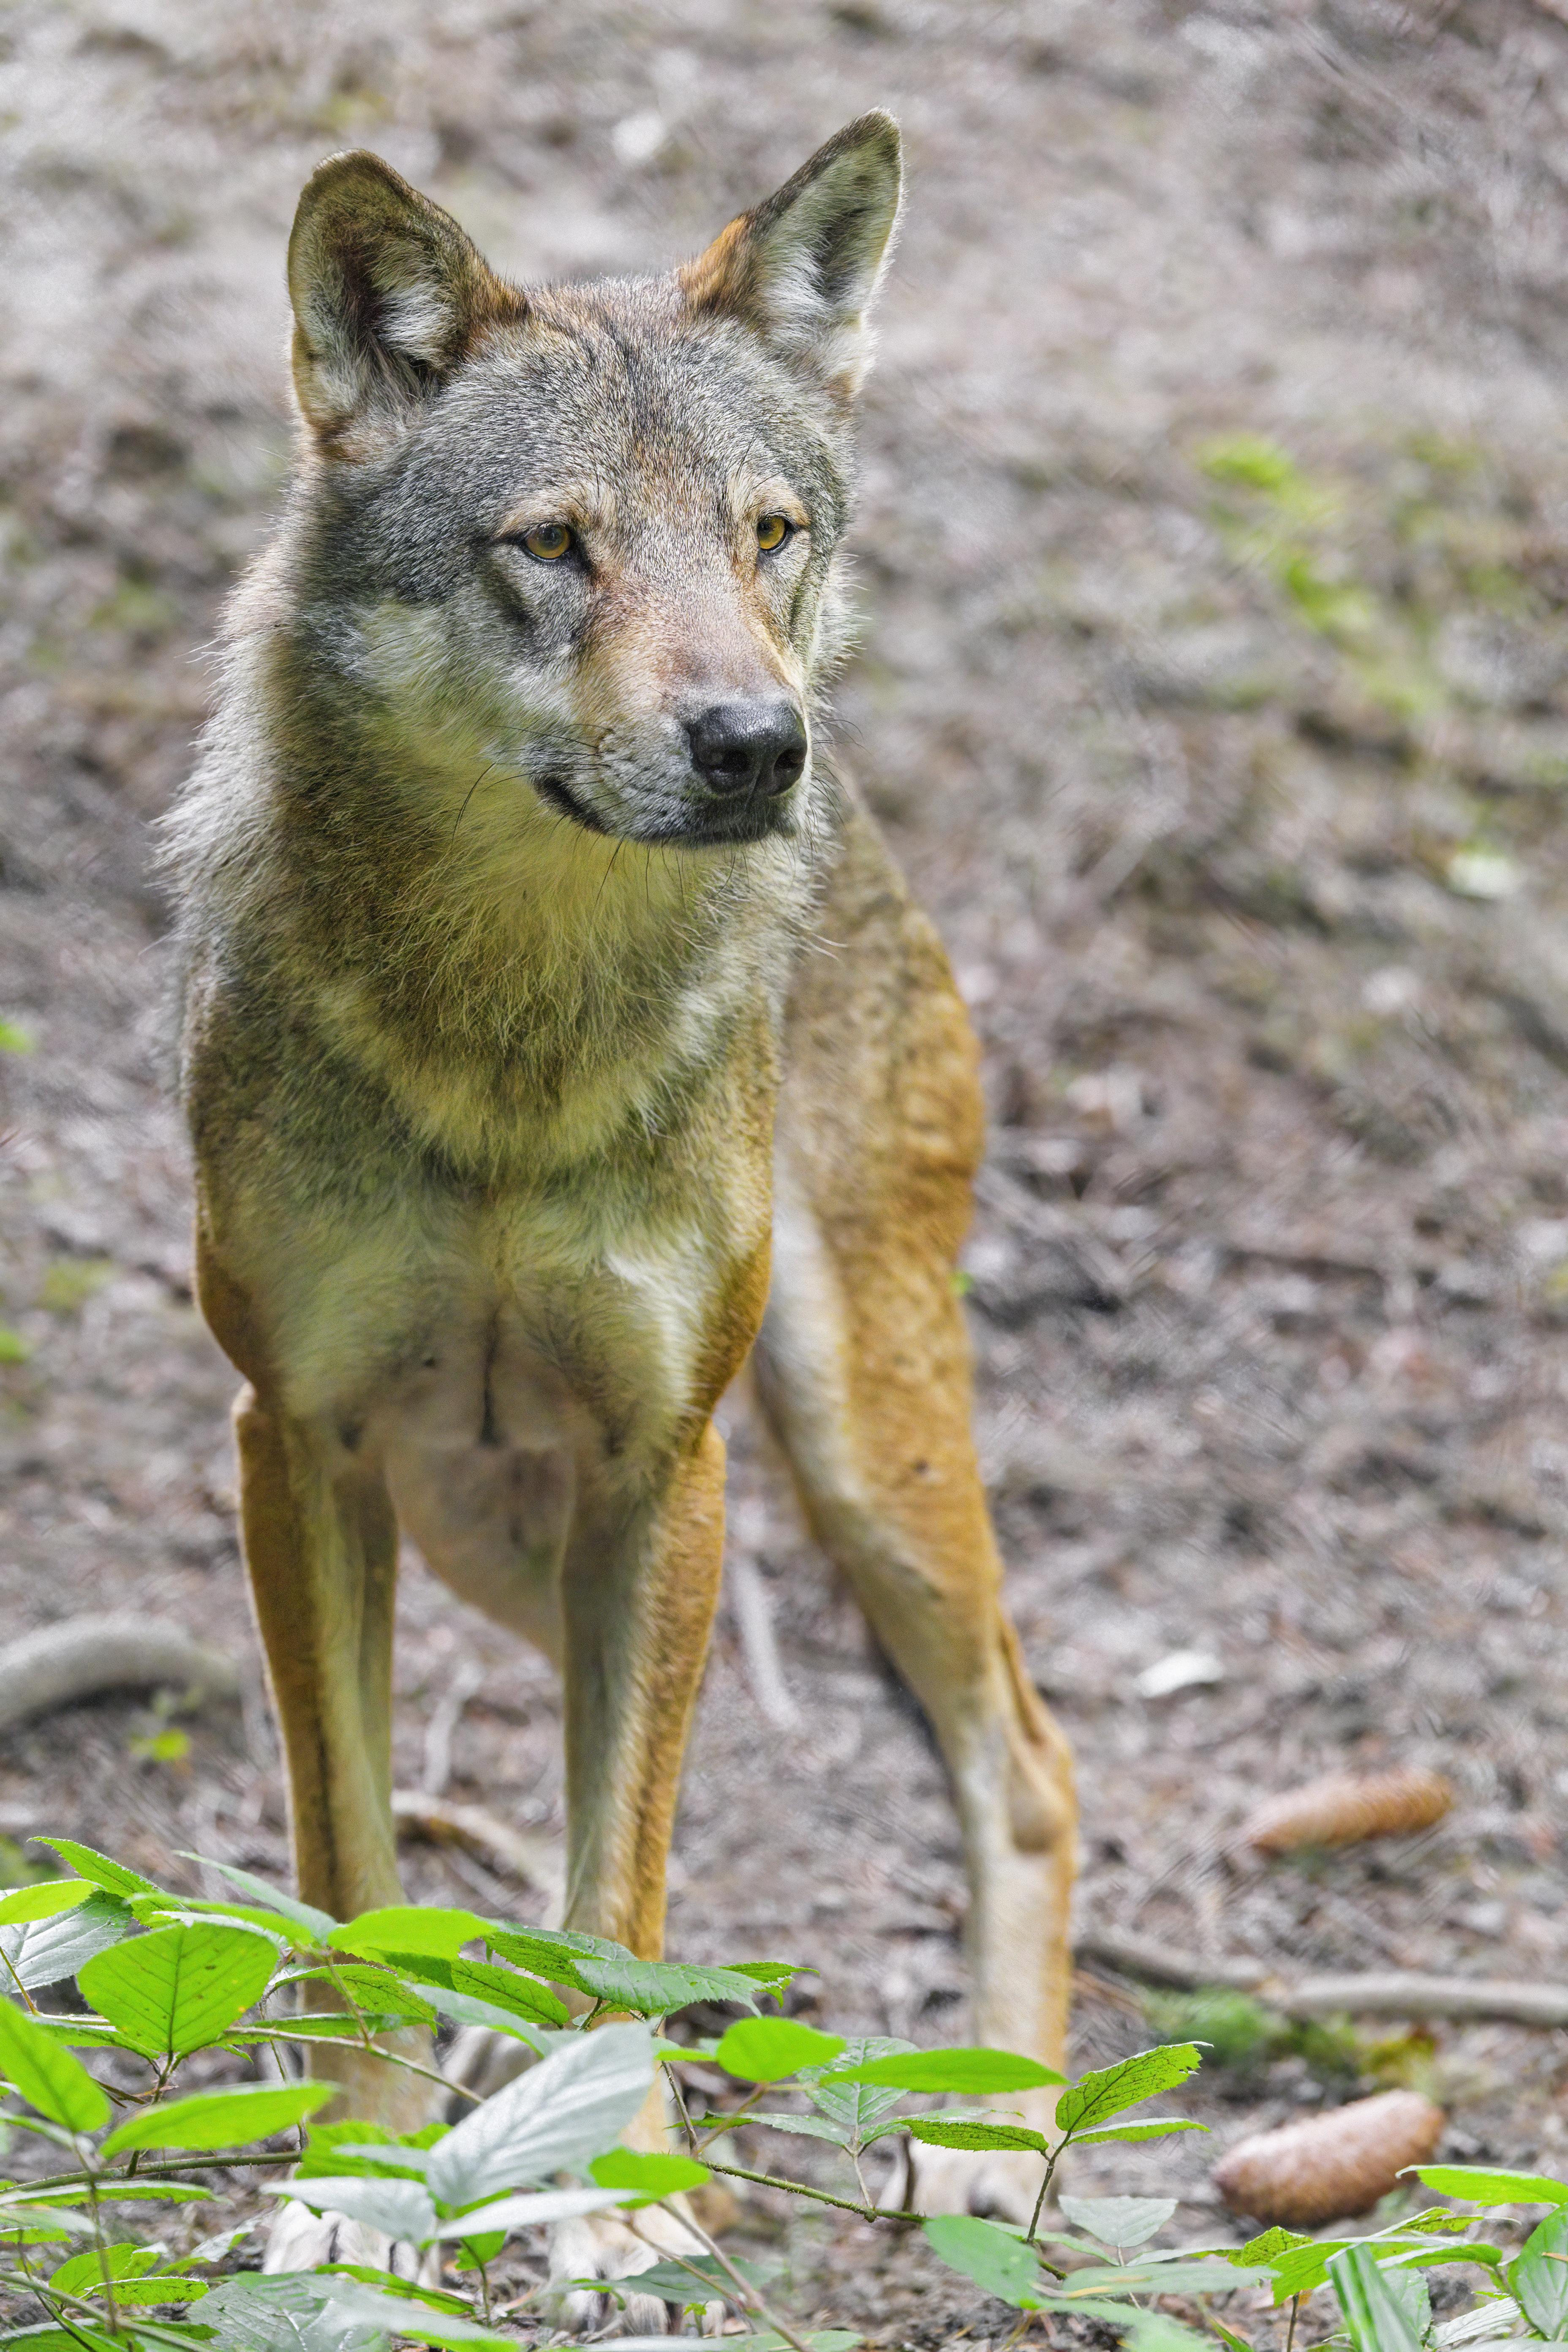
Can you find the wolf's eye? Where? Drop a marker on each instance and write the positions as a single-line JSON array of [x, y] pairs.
[[771, 532], [549, 541]]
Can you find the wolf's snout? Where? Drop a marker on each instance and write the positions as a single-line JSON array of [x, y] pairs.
[[748, 747]]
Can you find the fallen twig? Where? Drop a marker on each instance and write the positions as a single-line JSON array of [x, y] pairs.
[[1393, 1992], [533, 1861], [76, 1660]]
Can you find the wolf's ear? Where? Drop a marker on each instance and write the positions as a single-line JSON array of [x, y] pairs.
[[802, 267], [388, 296]]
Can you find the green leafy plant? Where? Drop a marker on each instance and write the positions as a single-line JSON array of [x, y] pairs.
[[170, 1978]]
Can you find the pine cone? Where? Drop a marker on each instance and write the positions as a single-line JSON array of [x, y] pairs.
[[1327, 2167], [1344, 1807]]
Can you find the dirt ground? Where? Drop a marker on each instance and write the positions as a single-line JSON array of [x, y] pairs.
[[1214, 691]]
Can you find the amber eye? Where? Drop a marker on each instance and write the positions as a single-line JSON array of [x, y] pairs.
[[771, 532], [549, 541]]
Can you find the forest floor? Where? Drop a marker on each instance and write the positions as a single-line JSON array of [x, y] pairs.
[[1213, 692]]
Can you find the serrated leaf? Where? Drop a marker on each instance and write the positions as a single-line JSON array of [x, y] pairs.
[[286, 2312], [1375, 2310], [49, 2338], [179, 1987], [354, 2144], [1158, 2275], [174, 1910], [858, 2109], [43, 1900], [413, 1929], [938, 2132], [401, 2207], [47, 2076], [229, 2119], [1095, 2097], [97, 1869], [809, 2127], [767, 2048], [1267, 2246], [377, 1989], [48, 1951], [501, 2215], [977, 2071], [365, 2307], [161, 2287], [85, 2273], [572, 2105], [1539, 2274], [1492, 2184], [650, 2173], [501, 1989], [1118, 2222], [79, 2032], [389, 2282], [995, 2260], [1157, 2130], [318, 1926]]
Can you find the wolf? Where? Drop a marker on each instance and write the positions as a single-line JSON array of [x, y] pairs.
[[558, 1033]]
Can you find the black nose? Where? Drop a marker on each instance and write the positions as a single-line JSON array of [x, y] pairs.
[[749, 747]]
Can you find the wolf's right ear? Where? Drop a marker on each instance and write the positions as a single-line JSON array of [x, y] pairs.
[[389, 296], [801, 268]]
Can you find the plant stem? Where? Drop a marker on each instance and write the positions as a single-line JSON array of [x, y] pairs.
[[799, 2188], [1294, 2307], [745, 2293], [730, 2121], [1040, 2200], [673, 2080], [105, 2181]]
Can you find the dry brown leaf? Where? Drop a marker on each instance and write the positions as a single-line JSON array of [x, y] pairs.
[[1329, 2167], [1344, 1807]]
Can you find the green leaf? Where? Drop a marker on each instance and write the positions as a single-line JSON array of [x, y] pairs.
[[84, 2273], [767, 2048], [1094, 2098], [1157, 2130], [43, 1900], [1539, 2274], [178, 1989], [498, 1988], [1176, 2273], [937, 2132], [78, 2337], [617, 1978], [977, 2071], [1267, 2246], [318, 1926], [573, 2104], [414, 1928], [49, 2077], [113, 1876], [402, 2209], [161, 2287], [391, 2313], [48, 1951], [651, 2175], [1374, 2309], [856, 2110], [357, 2147], [389, 2282], [370, 1987], [995, 2260], [1492, 2184], [219, 2118], [1118, 2222], [498, 2217], [811, 2127]]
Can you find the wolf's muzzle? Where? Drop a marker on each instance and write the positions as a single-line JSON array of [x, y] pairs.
[[746, 749]]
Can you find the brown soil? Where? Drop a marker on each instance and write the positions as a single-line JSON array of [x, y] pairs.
[[1215, 692]]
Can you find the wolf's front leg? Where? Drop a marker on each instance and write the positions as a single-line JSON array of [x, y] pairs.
[[639, 1590]]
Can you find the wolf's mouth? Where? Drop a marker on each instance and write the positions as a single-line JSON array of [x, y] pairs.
[[552, 789]]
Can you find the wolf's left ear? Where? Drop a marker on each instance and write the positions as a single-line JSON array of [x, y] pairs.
[[388, 295], [802, 267]]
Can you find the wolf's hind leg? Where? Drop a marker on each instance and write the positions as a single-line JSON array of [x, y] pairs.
[[864, 1367]]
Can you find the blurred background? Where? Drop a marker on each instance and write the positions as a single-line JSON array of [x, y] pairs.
[[1214, 691]]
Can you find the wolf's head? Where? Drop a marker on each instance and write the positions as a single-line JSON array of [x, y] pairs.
[[580, 542]]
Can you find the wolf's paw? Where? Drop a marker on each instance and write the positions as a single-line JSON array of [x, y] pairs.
[[600, 2246], [300, 2238]]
